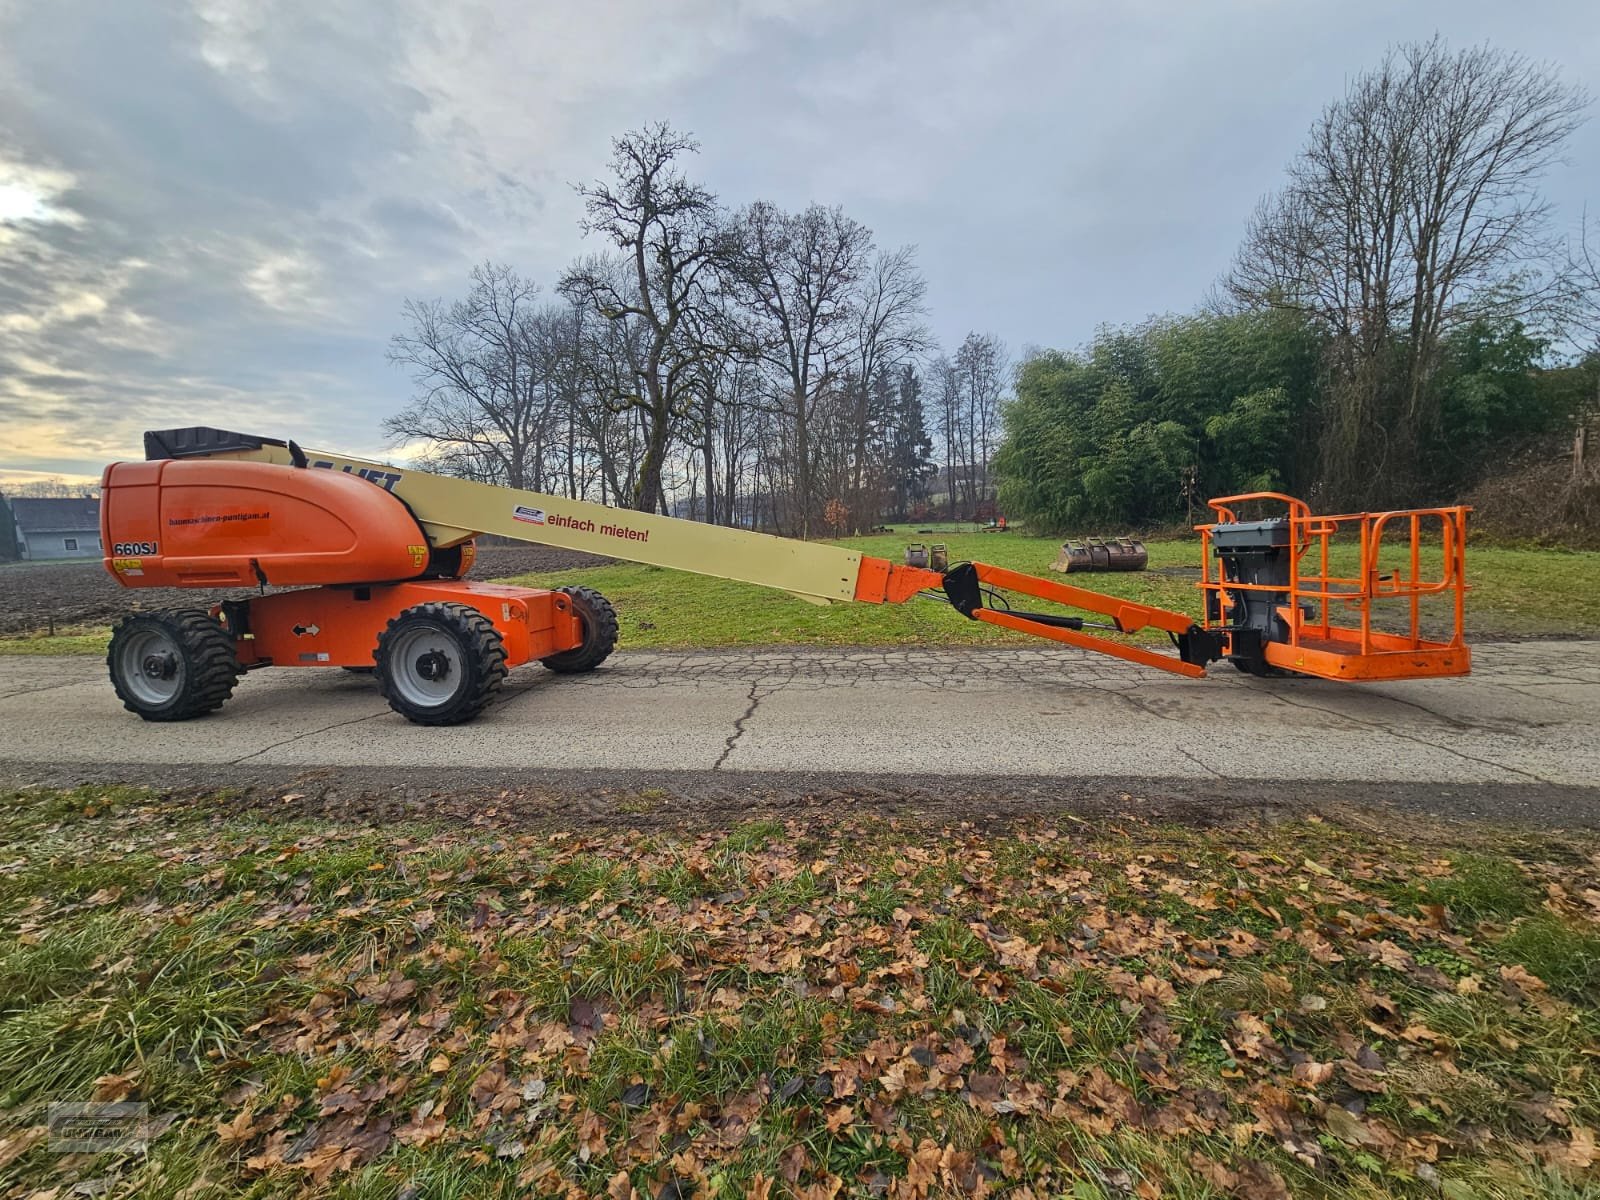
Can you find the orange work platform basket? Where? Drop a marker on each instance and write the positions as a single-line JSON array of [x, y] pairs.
[[1362, 596]]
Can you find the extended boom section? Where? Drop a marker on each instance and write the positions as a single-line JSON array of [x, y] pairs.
[[453, 511], [375, 556]]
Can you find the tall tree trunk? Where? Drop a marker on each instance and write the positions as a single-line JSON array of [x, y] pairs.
[[708, 451], [647, 487], [802, 453]]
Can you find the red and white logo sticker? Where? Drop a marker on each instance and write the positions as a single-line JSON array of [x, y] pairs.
[[533, 516]]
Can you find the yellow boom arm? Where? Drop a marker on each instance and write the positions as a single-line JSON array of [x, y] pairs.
[[454, 510]]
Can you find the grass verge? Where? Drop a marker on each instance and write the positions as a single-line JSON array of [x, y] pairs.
[[80, 641], [861, 1008]]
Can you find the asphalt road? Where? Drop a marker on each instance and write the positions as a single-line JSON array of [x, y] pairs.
[[1529, 715]]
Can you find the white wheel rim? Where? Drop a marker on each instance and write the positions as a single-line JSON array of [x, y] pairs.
[[425, 666], [151, 666]]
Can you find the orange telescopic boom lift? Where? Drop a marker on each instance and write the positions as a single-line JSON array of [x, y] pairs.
[[359, 565]]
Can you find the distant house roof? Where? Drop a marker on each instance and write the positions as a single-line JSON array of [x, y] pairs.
[[36, 514]]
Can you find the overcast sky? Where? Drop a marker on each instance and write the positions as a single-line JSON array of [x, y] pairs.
[[212, 210]]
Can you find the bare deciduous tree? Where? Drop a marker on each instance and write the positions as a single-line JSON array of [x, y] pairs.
[[797, 275], [889, 330], [945, 381], [479, 401], [1411, 210], [1583, 320], [981, 367], [668, 228]]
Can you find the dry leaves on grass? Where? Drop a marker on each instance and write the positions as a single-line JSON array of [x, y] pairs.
[[791, 1011]]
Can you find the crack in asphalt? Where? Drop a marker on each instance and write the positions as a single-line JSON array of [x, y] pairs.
[[1150, 711], [1419, 741], [1204, 766], [738, 726], [299, 737], [1132, 701], [1452, 722], [12, 692], [1527, 695]]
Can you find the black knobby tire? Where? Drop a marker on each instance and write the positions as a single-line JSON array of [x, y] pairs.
[[173, 664], [599, 633], [440, 663]]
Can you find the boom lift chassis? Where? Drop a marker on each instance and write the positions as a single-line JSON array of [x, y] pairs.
[[368, 562]]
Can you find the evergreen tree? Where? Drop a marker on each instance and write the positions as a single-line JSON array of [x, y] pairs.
[[911, 465]]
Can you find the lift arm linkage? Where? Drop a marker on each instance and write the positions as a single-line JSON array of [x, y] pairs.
[[452, 511], [883, 582]]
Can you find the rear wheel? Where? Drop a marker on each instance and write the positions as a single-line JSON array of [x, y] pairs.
[[599, 633], [440, 663], [172, 665]]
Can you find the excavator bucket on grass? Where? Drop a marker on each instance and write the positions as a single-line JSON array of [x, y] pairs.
[[1101, 554]]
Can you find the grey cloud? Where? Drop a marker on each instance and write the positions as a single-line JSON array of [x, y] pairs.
[[403, 216]]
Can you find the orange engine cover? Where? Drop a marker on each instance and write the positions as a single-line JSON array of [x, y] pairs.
[[177, 523]]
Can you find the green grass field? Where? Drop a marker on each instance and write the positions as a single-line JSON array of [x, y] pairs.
[[1516, 593], [338, 1010], [85, 641]]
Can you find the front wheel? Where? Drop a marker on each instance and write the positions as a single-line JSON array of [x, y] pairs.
[[440, 663], [599, 622], [172, 665]]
